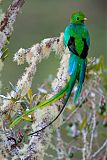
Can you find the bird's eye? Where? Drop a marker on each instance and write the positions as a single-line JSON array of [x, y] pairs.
[[77, 18]]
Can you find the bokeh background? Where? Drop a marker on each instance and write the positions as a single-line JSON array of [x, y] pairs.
[[41, 19]]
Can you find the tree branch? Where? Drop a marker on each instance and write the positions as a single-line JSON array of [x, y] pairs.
[[39, 142], [6, 25]]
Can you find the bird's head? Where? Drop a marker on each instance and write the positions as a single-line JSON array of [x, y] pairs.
[[78, 18]]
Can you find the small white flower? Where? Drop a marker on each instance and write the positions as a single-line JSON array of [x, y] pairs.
[[92, 94]]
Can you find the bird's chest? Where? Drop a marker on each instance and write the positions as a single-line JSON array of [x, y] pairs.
[[78, 40]]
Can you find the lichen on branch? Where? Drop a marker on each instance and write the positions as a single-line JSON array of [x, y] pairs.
[[33, 56], [6, 25]]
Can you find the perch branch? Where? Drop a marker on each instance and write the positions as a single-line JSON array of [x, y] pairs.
[[33, 56]]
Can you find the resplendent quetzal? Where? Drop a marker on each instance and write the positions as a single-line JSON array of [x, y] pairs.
[[77, 39]]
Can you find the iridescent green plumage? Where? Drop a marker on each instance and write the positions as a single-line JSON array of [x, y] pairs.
[[76, 38]]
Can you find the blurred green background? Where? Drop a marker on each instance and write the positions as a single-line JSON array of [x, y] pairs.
[[39, 19]]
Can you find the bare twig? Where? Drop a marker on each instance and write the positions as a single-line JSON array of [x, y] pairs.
[[100, 149], [93, 128], [85, 143], [61, 152]]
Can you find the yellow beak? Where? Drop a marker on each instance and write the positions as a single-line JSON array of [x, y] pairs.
[[85, 19]]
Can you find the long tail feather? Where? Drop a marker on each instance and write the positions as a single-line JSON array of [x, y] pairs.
[[41, 105], [81, 79], [71, 85]]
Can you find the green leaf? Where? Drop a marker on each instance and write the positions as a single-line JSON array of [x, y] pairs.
[[8, 40], [83, 124], [14, 100], [29, 93], [12, 86], [24, 105], [5, 54], [27, 118]]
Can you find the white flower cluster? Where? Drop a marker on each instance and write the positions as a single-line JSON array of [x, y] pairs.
[[20, 56]]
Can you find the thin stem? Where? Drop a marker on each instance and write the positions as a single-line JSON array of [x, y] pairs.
[[93, 128], [100, 149]]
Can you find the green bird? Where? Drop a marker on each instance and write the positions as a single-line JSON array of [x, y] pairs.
[[77, 39]]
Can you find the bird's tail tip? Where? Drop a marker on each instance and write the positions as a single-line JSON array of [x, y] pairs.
[[78, 92]]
